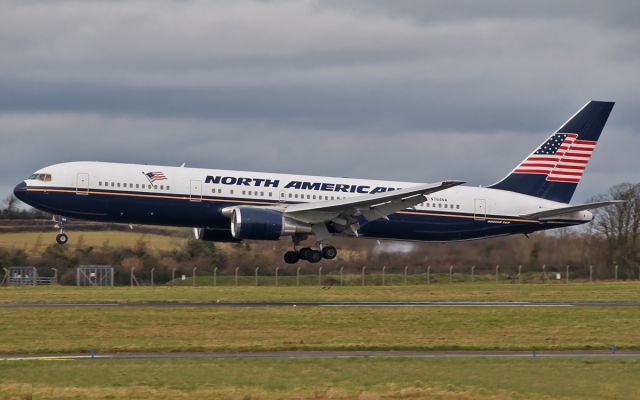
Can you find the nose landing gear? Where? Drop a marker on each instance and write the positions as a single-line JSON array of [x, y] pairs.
[[61, 238]]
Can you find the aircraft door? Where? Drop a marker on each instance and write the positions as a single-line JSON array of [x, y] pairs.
[[480, 213], [196, 191], [82, 183]]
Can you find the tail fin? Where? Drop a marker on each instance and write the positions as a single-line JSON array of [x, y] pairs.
[[554, 169]]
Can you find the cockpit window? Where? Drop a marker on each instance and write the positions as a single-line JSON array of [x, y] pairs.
[[41, 177]]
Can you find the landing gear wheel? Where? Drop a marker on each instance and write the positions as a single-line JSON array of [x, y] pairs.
[[314, 256], [304, 253], [329, 252], [291, 257], [62, 238]]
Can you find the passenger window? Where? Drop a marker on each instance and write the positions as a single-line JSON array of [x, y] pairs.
[[149, 186], [445, 205], [331, 197], [168, 188], [137, 186], [112, 184], [219, 190], [314, 196], [262, 194], [161, 187], [118, 184], [270, 194], [244, 193], [458, 206], [308, 197], [440, 205], [99, 183], [289, 195], [155, 187], [231, 191]]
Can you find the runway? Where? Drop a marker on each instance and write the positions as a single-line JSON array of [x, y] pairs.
[[324, 354], [329, 304]]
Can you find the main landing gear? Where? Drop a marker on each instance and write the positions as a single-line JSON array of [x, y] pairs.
[[61, 237], [309, 254]]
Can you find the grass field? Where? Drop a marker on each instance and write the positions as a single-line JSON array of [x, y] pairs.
[[313, 328], [38, 241], [620, 291], [152, 328], [375, 378]]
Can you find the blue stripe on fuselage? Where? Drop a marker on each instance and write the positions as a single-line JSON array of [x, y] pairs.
[[157, 208]]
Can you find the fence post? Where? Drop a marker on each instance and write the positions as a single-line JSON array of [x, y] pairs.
[[131, 276], [341, 269], [497, 273], [298, 276], [277, 269], [450, 273], [520, 273], [590, 273], [473, 273], [616, 272], [320, 276], [405, 274], [215, 276], [567, 277], [194, 276], [384, 267], [363, 270], [153, 270], [173, 277], [55, 275], [544, 273], [257, 268], [236, 274], [429, 275]]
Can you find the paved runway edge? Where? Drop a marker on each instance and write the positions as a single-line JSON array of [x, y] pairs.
[[329, 304], [325, 354]]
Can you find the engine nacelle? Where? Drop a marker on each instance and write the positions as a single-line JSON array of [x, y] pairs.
[[263, 224], [215, 235]]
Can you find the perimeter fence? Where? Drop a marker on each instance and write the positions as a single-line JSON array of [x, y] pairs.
[[314, 275]]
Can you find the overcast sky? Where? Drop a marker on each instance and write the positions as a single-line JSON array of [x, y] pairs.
[[402, 90]]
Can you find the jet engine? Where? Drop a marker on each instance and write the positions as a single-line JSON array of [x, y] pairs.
[[263, 224]]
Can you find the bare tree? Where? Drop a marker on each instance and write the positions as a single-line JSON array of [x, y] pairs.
[[619, 225]]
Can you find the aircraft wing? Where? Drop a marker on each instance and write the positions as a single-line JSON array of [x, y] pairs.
[[546, 214], [342, 213]]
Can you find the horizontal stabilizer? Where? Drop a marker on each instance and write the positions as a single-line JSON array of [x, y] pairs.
[[566, 210]]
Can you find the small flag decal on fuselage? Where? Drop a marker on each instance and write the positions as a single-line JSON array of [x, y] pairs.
[[155, 176]]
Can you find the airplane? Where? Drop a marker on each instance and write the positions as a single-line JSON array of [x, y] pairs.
[[231, 206]]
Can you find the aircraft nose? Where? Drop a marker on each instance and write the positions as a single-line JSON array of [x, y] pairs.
[[20, 191]]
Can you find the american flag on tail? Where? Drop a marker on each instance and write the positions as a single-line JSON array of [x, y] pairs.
[[562, 158], [155, 176]]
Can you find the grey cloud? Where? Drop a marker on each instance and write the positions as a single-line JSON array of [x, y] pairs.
[[322, 87]]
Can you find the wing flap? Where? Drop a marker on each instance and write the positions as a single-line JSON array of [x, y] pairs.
[[372, 206]]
